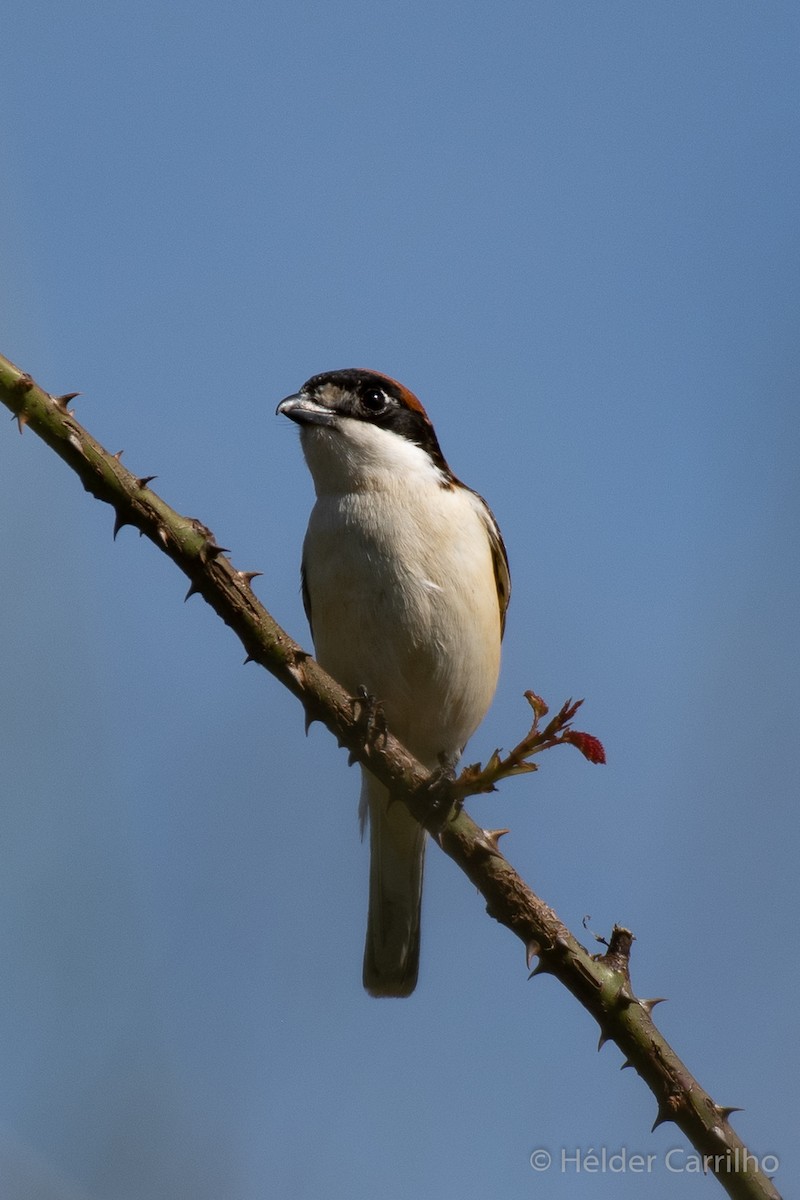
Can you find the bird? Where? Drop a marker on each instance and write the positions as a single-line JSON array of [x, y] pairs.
[[405, 584]]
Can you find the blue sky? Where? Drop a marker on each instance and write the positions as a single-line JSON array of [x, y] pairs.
[[572, 230]]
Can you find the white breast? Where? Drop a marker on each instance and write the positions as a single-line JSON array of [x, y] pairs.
[[404, 602]]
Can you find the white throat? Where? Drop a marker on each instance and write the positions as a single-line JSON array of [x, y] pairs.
[[354, 456]]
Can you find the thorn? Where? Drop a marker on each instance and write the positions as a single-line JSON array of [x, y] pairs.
[[194, 590], [532, 950], [249, 576], [492, 836], [649, 1005], [626, 1064], [119, 455], [604, 1037], [726, 1110], [666, 1111], [62, 401], [541, 968], [22, 419], [212, 550], [143, 480], [309, 721], [120, 521]]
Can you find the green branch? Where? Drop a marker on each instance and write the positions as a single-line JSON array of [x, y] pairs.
[[600, 982]]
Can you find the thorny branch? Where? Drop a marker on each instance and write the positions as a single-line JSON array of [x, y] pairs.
[[600, 982]]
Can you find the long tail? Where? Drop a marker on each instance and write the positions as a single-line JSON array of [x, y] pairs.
[[397, 853]]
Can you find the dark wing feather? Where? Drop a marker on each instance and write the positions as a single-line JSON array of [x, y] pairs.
[[502, 575], [306, 598]]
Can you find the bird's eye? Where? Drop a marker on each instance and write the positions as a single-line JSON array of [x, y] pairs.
[[374, 400]]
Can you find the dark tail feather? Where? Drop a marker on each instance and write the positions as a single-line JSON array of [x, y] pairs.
[[397, 852]]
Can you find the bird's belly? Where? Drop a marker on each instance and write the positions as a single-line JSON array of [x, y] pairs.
[[421, 632]]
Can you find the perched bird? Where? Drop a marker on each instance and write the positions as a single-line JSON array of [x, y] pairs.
[[405, 585]]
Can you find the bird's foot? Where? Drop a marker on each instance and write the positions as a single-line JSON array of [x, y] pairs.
[[370, 717], [438, 794]]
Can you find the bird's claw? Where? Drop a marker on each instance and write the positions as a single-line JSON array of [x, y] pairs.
[[437, 793], [370, 717]]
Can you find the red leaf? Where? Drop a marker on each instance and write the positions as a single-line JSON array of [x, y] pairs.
[[589, 746]]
